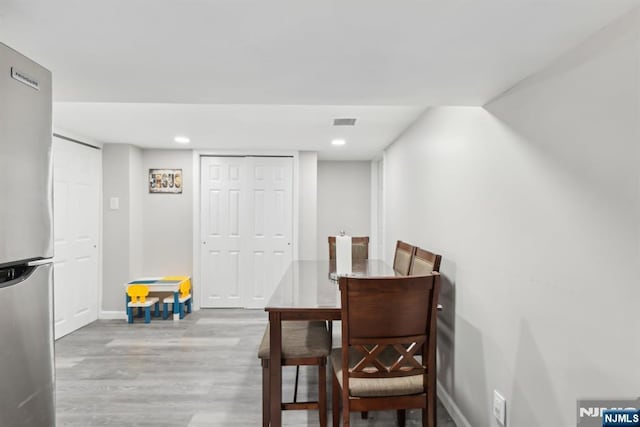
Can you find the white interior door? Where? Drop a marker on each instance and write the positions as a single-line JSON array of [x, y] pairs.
[[76, 207], [221, 203], [269, 234], [246, 228]]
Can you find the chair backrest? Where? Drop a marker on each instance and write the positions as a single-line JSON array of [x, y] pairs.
[[185, 288], [424, 262], [185, 285], [402, 258], [385, 321], [359, 248], [138, 293]]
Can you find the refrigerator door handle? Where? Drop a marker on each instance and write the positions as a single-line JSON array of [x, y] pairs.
[[39, 262]]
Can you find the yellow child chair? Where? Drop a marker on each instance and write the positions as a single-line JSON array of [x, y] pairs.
[[137, 297], [184, 298]]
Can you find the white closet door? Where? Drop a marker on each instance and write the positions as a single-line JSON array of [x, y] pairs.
[[246, 228], [223, 195], [269, 253], [76, 207]]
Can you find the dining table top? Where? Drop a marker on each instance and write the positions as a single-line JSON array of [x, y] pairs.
[[313, 284]]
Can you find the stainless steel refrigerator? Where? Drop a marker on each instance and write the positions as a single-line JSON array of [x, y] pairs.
[[26, 244]]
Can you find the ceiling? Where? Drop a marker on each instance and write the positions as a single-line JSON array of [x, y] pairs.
[[268, 74], [241, 127]]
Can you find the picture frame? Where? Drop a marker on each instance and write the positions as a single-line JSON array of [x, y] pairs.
[[167, 181]]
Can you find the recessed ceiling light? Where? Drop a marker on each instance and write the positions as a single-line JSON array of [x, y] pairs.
[[338, 142], [182, 140]]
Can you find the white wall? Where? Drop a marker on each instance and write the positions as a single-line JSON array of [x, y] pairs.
[[136, 191], [167, 218], [149, 234], [344, 201], [152, 234], [116, 225], [376, 242], [534, 204], [308, 205]]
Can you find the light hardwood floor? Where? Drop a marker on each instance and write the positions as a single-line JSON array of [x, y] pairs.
[[200, 371]]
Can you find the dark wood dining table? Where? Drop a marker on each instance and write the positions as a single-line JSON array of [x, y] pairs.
[[307, 291]]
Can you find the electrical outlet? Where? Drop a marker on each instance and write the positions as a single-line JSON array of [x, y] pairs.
[[499, 408]]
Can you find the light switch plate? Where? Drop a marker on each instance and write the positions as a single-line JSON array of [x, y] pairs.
[[114, 203], [499, 407]]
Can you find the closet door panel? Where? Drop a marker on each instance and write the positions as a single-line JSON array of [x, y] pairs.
[[247, 227]]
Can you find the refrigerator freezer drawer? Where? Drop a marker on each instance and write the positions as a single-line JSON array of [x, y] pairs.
[[26, 350]]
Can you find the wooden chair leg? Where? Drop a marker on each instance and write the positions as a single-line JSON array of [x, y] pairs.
[[335, 400], [346, 422], [402, 417], [430, 413], [295, 384], [147, 314], [265, 394], [322, 394]]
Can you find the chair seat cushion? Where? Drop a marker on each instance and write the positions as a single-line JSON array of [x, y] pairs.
[[170, 300], [299, 339], [375, 387], [148, 302]]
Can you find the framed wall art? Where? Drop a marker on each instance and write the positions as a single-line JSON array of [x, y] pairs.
[[165, 181]]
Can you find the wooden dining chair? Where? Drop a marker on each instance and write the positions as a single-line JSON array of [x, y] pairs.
[[303, 343], [359, 248], [385, 321], [424, 262], [402, 258]]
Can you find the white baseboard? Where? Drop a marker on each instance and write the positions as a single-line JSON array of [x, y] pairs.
[[451, 407], [112, 315]]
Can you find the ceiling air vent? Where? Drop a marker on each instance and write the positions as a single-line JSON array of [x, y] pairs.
[[344, 122]]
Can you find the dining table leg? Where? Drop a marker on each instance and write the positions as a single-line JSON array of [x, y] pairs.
[[275, 368]]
